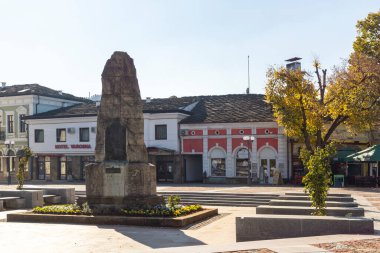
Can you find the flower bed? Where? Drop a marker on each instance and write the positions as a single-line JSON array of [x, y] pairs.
[[66, 209], [163, 211], [171, 209]]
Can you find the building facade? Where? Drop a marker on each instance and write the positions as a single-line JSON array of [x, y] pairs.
[[17, 102], [190, 139]]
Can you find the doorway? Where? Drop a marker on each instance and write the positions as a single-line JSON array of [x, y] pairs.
[[193, 168], [164, 171], [268, 165]]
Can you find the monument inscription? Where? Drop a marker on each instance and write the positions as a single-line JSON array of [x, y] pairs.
[[112, 170]]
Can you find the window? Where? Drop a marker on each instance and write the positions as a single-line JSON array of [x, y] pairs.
[[84, 134], [161, 132], [61, 134], [38, 135], [10, 123], [22, 123], [44, 167], [218, 167]]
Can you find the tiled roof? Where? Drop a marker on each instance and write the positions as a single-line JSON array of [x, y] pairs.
[[201, 109], [171, 104], [77, 110], [36, 89], [231, 108]]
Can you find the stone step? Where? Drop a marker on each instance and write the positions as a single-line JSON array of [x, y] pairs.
[[215, 199], [298, 210], [52, 199], [336, 199], [214, 194], [330, 194], [223, 204], [222, 198], [224, 201], [281, 202]]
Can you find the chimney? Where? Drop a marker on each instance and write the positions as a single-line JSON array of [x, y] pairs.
[[3, 84], [148, 99], [294, 63]]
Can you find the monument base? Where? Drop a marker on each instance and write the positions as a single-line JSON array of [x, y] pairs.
[[107, 205], [113, 185]]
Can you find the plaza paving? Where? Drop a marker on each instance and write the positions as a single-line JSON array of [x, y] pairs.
[[215, 236]]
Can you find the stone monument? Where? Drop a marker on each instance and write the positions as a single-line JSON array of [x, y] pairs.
[[121, 176]]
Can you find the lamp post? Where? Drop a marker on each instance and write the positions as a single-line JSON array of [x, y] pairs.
[[249, 139], [9, 144]]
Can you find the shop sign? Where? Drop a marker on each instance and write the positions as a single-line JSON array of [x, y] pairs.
[[77, 146]]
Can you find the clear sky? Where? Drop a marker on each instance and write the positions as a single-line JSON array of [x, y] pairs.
[[194, 47]]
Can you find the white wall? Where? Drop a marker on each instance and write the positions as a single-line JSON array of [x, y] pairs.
[[169, 119], [51, 125]]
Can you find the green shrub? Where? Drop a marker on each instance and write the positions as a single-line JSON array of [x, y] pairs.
[[20, 175], [318, 179], [174, 200]]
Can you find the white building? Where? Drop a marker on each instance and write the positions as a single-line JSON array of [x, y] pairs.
[[17, 102], [187, 139]]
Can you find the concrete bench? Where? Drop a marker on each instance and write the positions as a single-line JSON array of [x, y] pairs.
[[304, 210], [265, 227], [67, 194], [329, 198], [282, 202], [13, 202], [52, 199], [32, 198]]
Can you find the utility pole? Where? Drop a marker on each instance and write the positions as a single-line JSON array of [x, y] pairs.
[[249, 81]]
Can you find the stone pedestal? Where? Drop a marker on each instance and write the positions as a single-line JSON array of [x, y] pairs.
[[112, 185]]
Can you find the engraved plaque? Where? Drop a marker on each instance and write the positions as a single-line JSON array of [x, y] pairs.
[[113, 170]]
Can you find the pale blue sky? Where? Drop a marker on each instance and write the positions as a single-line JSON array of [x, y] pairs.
[[180, 47]]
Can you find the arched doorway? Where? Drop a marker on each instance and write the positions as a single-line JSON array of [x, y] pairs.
[[242, 162], [268, 163], [218, 162]]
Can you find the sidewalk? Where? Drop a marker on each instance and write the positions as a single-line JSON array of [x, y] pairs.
[[215, 236]]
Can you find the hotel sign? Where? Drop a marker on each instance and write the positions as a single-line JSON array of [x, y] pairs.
[[73, 146]]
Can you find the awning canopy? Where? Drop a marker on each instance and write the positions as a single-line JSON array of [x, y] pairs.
[[371, 154], [160, 151], [342, 154]]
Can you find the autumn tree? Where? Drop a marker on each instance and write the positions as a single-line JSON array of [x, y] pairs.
[[312, 105], [368, 39]]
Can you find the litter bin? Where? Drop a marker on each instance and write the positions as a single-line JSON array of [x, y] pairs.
[[338, 180]]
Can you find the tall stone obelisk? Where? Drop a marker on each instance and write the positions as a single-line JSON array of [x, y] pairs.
[[121, 176]]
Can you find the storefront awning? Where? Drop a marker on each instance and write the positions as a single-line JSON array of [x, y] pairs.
[[342, 154], [371, 154], [160, 151]]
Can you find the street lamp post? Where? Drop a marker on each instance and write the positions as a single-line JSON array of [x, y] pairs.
[[249, 139], [9, 144]]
